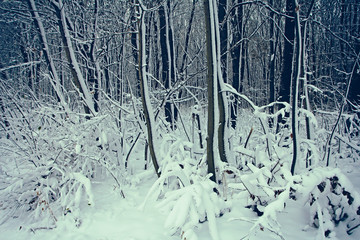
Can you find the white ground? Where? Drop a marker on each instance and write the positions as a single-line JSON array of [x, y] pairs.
[[115, 218]]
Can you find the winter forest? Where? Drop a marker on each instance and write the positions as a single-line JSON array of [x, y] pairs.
[[179, 119]]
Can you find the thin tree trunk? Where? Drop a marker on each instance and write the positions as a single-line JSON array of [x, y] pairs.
[[211, 85], [165, 58], [134, 48], [295, 86], [187, 38], [223, 36], [222, 101], [303, 76], [272, 61], [284, 94], [197, 116], [354, 91], [238, 66], [148, 112], [168, 59], [96, 74]]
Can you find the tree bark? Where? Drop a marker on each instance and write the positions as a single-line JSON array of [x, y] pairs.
[[303, 76], [168, 63], [295, 86], [148, 112], [223, 36], [272, 60], [95, 75], [287, 61], [222, 100], [187, 39], [211, 86], [237, 54], [354, 93]]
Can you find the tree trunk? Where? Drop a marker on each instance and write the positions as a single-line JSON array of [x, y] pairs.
[[187, 39], [134, 49], [222, 100], [237, 53], [165, 57], [295, 86], [303, 76], [211, 85], [354, 93], [168, 59], [272, 61], [144, 90], [95, 75], [223, 36], [287, 61]]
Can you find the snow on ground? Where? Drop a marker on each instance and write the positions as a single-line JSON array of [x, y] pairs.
[[115, 218], [112, 217]]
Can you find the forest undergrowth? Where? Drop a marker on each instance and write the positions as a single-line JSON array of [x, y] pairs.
[[50, 159]]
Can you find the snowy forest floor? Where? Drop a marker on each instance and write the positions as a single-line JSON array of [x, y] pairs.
[[113, 217]]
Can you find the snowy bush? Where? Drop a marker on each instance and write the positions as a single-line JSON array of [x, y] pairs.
[[265, 190], [191, 204], [332, 200], [328, 194], [49, 160], [260, 179], [186, 194]]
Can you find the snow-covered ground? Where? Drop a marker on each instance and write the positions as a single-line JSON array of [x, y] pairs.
[[113, 217]]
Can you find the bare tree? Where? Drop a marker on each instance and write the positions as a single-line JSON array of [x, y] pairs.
[[287, 59], [147, 108], [78, 77], [168, 58], [216, 97], [212, 85], [295, 86], [54, 79]]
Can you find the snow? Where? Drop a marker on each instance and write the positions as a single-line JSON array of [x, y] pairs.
[[87, 185], [113, 217]]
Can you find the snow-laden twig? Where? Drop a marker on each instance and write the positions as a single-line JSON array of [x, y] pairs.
[[19, 65]]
